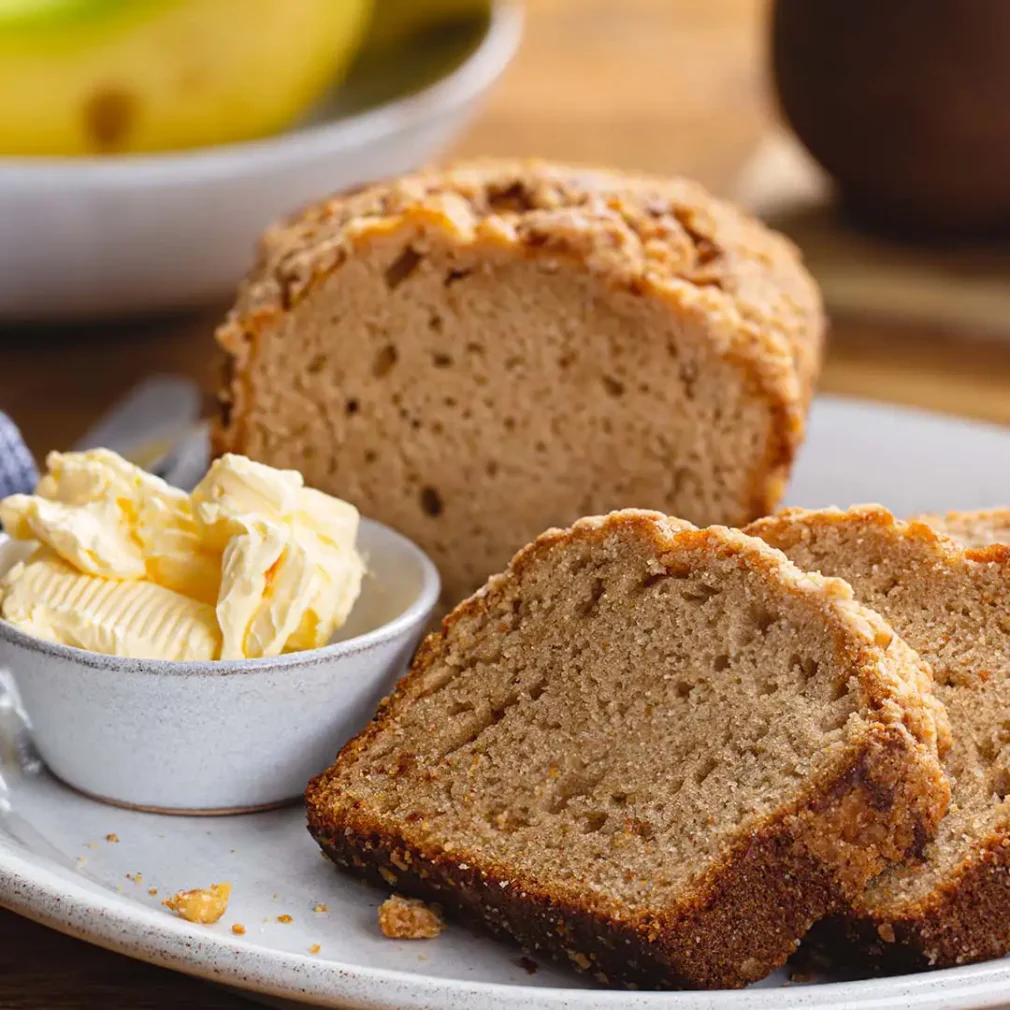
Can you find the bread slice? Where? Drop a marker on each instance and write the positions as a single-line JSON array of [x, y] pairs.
[[476, 354], [952, 605], [654, 752], [973, 529]]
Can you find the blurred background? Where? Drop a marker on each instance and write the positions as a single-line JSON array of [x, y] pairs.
[[144, 144]]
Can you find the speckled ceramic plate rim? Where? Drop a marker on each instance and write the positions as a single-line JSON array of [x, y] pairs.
[[31, 888], [417, 611], [114, 922], [484, 65]]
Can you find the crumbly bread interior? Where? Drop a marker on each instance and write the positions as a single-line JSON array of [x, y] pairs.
[[953, 608], [607, 720], [973, 529], [543, 388], [477, 353]]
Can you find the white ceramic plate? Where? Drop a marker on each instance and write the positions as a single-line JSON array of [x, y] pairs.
[[86, 237], [57, 868]]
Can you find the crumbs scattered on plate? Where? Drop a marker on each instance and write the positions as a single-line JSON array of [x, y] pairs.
[[135, 877], [112, 837], [238, 929], [204, 905], [315, 948], [285, 918], [409, 919], [321, 908]]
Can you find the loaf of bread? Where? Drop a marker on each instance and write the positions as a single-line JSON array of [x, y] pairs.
[[654, 752], [952, 605], [973, 529], [476, 354]]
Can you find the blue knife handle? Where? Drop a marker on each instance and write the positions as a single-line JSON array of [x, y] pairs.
[[18, 474]]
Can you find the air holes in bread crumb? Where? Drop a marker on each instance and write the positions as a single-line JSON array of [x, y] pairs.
[[431, 501], [455, 275], [316, 364], [720, 663], [699, 593], [683, 688], [595, 821], [440, 360], [402, 267], [689, 378], [705, 769], [806, 666], [593, 601], [999, 782], [384, 361], [351, 407], [835, 721], [613, 386], [435, 323]]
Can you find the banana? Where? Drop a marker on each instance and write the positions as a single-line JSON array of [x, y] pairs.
[[82, 77]]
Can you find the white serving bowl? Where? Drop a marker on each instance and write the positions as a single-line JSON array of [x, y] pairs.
[[94, 237], [226, 736]]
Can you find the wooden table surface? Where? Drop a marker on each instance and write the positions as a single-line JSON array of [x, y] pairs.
[[667, 86]]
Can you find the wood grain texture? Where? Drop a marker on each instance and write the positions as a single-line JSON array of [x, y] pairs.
[[652, 84]]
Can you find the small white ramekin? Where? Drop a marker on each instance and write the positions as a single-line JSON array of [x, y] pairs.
[[227, 736]]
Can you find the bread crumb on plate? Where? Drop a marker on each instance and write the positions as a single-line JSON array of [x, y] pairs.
[[204, 905], [409, 919]]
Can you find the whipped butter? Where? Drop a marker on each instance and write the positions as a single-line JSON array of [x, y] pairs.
[[291, 572], [140, 620], [251, 564]]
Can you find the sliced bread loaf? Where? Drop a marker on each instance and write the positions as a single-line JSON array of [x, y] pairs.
[[973, 529], [474, 355], [953, 606], [655, 752]]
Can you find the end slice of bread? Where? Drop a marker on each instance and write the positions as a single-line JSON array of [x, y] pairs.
[[983, 528], [951, 604], [654, 752], [473, 354]]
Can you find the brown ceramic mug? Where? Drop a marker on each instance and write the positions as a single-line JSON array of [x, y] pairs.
[[904, 102]]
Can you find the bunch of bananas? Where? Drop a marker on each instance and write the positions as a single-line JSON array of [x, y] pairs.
[[80, 77]]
